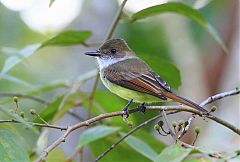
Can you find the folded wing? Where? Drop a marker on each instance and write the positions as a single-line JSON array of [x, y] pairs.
[[134, 74]]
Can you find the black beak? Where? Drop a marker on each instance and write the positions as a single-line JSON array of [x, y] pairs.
[[93, 53]]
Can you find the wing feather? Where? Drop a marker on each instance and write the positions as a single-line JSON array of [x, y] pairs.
[[139, 78]]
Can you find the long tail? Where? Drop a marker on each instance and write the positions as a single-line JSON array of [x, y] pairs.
[[184, 101]]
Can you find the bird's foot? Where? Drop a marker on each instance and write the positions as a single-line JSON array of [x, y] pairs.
[[142, 107], [125, 109]]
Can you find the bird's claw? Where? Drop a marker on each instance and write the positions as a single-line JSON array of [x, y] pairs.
[[125, 109], [142, 107]]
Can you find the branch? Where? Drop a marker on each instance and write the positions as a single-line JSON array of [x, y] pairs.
[[205, 102], [208, 101], [116, 20], [220, 96], [74, 127], [35, 124], [126, 135], [169, 127], [131, 132], [108, 36], [120, 113], [195, 111]]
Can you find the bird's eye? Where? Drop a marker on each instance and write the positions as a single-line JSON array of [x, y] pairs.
[[113, 51]]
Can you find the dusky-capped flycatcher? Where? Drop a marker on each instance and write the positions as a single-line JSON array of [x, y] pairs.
[[126, 75]]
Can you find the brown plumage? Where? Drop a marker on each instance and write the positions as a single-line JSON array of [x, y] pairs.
[[119, 65], [142, 79]]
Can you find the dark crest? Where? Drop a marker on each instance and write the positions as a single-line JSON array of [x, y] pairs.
[[115, 44]]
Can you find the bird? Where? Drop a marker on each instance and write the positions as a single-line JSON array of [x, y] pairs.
[[129, 77]]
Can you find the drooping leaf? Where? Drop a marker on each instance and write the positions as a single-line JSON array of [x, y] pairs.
[[10, 149], [67, 103], [214, 154], [173, 153], [148, 137], [51, 2], [48, 87], [95, 133], [113, 104], [15, 80], [181, 9], [57, 155], [8, 50], [19, 57], [67, 38], [105, 101], [120, 153], [140, 146], [87, 75], [48, 112], [42, 141]]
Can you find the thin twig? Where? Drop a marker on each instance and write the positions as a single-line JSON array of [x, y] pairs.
[[37, 99], [205, 102], [35, 124], [74, 127], [185, 128], [126, 135], [216, 97], [131, 132], [169, 127], [191, 110], [39, 117], [120, 113], [115, 21], [108, 36], [195, 139], [220, 96]]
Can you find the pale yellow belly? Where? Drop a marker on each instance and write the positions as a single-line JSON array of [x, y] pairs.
[[130, 94]]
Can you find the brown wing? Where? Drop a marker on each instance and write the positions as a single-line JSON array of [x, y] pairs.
[[134, 74]]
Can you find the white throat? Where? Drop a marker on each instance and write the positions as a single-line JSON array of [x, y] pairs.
[[105, 62]]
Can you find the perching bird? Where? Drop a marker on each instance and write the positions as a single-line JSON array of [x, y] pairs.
[[126, 75]]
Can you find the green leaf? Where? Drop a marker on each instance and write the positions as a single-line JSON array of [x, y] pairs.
[[165, 69], [51, 2], [8, 50], [113, 101], [105, 101], [57, 155], [140, 146], [15, 116], [48, 87], [213, 154], [121, 153], [19, 57], [181, 9], [67, 38], [173, 153], [153, 50], [10, 149], [15, 80], [150, 139], [48, 112], [95, 133]]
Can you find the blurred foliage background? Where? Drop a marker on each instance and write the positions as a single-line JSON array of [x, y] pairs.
[[175, 46]]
